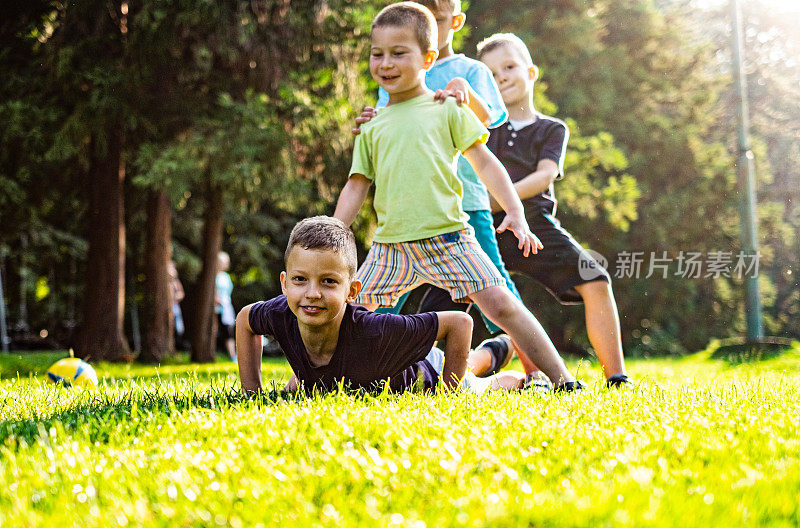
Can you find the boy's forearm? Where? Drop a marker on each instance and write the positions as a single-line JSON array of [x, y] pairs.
[[538, 181], [495, 177], [248, 352], [351, 198]]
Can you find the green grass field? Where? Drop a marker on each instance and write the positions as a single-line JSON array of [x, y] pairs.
[[706, 440]]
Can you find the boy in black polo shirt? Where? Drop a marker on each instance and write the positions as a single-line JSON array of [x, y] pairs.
[[531, 146], [327, 340]]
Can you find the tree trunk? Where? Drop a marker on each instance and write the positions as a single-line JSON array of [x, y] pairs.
[[102, 336], [204, 330], [158, 333]]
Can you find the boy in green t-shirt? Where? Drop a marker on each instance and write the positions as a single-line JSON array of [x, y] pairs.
[[409, 150]]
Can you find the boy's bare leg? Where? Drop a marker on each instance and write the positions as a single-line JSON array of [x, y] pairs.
[[489, 356], [480, 360], [602, 325], [230, 346], [507, 312], [527, 364]]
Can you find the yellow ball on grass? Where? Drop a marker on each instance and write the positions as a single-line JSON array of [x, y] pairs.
[[72, 371]]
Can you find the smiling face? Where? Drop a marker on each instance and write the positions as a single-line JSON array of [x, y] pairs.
[[317, 286], [513, 74], [397, 62]]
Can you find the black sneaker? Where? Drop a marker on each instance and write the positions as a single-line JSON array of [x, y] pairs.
[[500, 349], [570, 386], [537, 382], [619, 381]]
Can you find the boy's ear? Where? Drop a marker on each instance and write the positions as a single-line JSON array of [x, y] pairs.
[[355, 288], [533, 72], [283, 282], [458, 21], [430, 58]]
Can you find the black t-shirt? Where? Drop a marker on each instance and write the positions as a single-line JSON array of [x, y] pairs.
[[372, 347], [520, 151]]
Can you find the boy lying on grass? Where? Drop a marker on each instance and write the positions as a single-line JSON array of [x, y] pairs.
[[328, 341]]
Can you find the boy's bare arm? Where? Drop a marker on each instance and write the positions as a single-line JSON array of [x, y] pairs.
[[494, 175], [352, 198], [248, 351], [456, 329], [534, 183], [460, 89]]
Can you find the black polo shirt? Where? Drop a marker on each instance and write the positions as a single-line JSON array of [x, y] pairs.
[[520, 151]]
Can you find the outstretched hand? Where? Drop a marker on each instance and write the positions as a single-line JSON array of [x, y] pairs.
[[528, 242], [366, 115]]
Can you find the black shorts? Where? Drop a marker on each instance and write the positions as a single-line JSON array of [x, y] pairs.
[[560, 266]]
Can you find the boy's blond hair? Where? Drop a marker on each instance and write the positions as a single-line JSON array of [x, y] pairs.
[[442, 6], [325, 233], [505, 39], [414, 15]]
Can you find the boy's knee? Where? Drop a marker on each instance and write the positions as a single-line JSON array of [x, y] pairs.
[[499, 302], [594, 289]]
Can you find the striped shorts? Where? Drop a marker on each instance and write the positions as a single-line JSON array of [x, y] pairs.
[[452, 261]]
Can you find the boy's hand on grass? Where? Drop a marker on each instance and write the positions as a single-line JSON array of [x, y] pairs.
[[457, 88], [528, 242], [366, 115]]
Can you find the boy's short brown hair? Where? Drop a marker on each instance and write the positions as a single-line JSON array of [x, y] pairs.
[[442, 6], [325, 233], [505, 39], [412, 14]]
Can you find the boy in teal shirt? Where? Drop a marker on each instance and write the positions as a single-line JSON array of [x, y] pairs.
[[409, 150]]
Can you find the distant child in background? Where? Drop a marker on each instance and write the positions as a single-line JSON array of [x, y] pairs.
[[408, 149], [329, 341], [177, 295], [223, 305], [531, 146]]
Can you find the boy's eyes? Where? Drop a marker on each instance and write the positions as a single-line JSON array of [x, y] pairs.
[[328, 281], [395, 53]]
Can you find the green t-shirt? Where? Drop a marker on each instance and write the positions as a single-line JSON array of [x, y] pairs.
[[410, 150]]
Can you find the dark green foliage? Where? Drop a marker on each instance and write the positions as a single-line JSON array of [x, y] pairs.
[[650, 80], [255, 99]]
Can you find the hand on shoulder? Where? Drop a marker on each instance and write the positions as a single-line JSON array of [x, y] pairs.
[[366, 115], [457, 88]]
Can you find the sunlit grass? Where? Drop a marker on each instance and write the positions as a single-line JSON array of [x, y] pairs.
[[700, 441]]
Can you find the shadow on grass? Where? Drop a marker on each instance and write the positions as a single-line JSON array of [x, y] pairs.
[[738, 351], [95, 416], [24, 364]]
